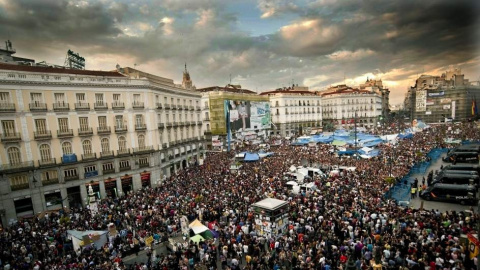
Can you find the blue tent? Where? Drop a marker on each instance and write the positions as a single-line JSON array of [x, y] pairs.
[[405, 136], [251, 157], [346, 152]]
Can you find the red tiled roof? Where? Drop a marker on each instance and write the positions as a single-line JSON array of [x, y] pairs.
[[286, 92], [59, 70], [226, 89]]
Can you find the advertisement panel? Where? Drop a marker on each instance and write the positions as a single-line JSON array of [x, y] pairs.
[[216, 141], [453, 109], [445, 100], [430, 102], [248, 115], [446, 107], [421, 100], [436, 94]]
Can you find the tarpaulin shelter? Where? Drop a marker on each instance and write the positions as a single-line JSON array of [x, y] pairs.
[[338, 143], [197, 238], [197, 227], [81, 239], [251, 157]]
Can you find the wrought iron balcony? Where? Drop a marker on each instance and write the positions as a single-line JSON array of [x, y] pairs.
[[169, 125], [11, 137], [123, 152], [197, 108], [164, 145], [82, 106], [143, 149], [125, 168], [7, 107], [140, 126], [48, 182], [191, 108], [64, 133], [121, 129], [167, 106], [18, 166], [85, 131], [143, 165], [118, 105], [107, 171], [159, 106], [100, 106], [90, 156], [61, 106], [19, 186], [38, 107], [47, 162], [71, 178], [104, 130], [161, 125], [138, 105], [107, 154]]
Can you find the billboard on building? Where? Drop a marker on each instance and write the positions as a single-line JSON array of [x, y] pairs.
[[248, 115], [421, 101]]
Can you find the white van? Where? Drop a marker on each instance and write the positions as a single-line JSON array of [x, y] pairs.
[[305, 188]]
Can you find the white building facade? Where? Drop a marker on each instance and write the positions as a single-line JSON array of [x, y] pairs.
[[341, 105], [63, 130], [295, 111]]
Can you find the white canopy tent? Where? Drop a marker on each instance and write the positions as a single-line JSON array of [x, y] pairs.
[[81, 239]]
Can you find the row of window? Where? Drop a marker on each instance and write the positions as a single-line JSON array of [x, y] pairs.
[[15, 157], [61, 98]]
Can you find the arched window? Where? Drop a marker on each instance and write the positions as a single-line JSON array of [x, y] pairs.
[[67, 148], [122, 143], [45, 154], [105, 145], [14, 155], [141, 141], [87, 147]]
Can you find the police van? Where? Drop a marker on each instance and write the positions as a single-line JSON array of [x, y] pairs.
[[463, 194]]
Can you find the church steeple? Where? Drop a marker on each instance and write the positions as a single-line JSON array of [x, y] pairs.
[[187, 82]]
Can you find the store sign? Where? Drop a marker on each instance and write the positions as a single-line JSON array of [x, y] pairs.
[[438, 94], [446, 107], [428, 112], [145, 176], [430, 102]]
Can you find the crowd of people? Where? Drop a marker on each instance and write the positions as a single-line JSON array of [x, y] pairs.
[[347, 222]]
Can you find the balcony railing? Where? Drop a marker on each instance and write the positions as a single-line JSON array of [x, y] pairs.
[[71, 178], [89, 156], [197, 108], [125, 168], [65, 133], [167, 106], [17, 166], [123, 152], [107, 154], [121, 129], [85, 131], [48, 182], [174, 107], [108, 171], [164, 145], [161, 125], [140, 126], [7, 107], [143, 165], [206, 107], [19, 186], [208, 118], [104, 130], [191, 108], [47, 162], [11, 137], [118, 105], [61, 106], [38, 107], [138, 105], [143, 149], [42, 135], [100, 106], [169, 125], [82, 106], [159, 106]]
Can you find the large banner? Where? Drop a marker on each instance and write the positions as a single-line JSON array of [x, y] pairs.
[[421, 100], [248, 115]]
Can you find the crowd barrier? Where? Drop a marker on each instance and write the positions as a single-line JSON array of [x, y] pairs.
[[400, 192]]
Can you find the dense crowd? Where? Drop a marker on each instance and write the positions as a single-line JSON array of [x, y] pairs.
[[347, 222]]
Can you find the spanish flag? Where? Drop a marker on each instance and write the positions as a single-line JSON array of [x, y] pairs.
[[474, 107]]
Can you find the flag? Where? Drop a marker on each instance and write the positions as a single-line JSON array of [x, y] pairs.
[[474, 107]]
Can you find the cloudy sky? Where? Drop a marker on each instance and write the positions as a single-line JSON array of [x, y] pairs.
[[263, 44]]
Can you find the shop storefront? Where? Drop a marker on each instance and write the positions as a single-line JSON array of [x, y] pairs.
[[127, 183], [145, 177], [111, 188], [23, 206], [53, 199], [74, 196]]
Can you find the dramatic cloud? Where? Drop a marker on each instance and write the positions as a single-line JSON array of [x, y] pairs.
[[317, 43]]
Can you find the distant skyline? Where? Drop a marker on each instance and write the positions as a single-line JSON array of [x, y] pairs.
[[263, 44]]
